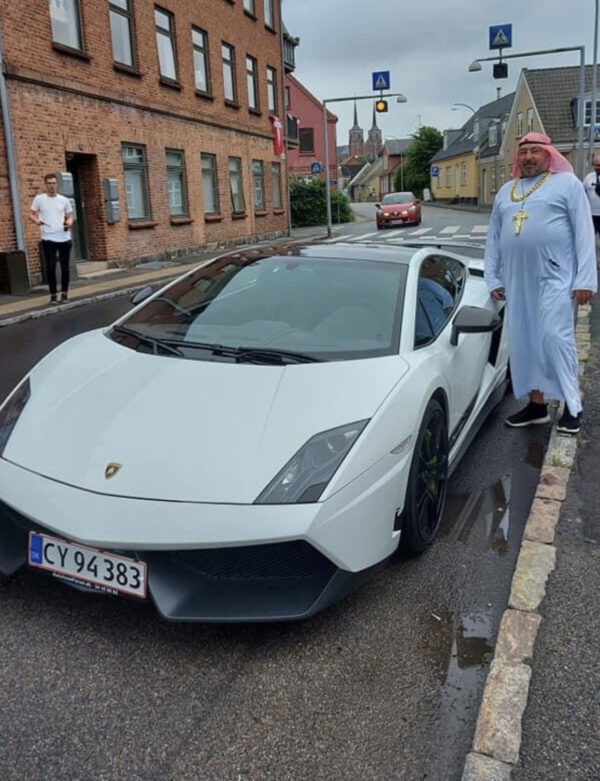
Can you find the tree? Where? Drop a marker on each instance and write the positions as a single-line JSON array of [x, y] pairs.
[[417, 161], [308, 200]]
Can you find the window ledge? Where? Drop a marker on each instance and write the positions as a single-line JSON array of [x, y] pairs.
[[183, 220], [239, 215], [260, 212], [204, 95], [169, 83], [256, 111], [306, 153], [60, 47], [213, 217], [232, 104], [250, 14], [278, 211], [270, 29], [138, 225], [127, 69]]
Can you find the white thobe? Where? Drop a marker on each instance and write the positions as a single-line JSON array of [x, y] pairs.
[[539, 269]]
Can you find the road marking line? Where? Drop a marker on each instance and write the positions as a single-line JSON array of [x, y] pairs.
[[420, 232], [338, 238], [364, 236], [450, 229], [479, 229]]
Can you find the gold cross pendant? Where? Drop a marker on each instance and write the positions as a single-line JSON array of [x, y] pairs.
[[518, 220]]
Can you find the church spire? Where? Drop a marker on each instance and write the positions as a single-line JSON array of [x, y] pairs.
[[374, 125], [355, 126]]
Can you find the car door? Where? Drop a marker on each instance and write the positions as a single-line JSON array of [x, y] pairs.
[[442, 289]]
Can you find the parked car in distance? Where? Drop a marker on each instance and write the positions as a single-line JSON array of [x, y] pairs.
[[398, 208]]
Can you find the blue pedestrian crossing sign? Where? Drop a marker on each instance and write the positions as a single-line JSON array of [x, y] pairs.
[[316, 167], [381, 80], [435, 170], [501, 36]]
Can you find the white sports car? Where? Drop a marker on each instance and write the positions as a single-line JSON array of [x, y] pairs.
[[251, 441]]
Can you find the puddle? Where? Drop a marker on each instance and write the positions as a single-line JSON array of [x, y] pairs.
[[481, 519]]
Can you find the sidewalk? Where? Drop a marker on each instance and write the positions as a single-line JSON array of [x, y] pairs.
[[461, 207], [14, 309]]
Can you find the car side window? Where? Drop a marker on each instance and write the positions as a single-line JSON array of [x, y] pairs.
[[441, 281]]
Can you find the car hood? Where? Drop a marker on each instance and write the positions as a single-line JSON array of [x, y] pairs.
[[396, 207], [183, 430]]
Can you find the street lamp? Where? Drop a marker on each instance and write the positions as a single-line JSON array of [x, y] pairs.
[[400, 98], [593, 106], [455, 106], [476, 66]]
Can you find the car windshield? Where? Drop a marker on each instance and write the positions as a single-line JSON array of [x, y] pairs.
[[300, 308], [398, 198]]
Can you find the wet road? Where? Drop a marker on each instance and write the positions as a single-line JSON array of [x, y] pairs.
[[384, 685]]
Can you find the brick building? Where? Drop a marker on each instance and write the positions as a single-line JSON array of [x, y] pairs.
[[176, 102]]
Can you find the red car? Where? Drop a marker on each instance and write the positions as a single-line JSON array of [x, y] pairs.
[[399, 208]]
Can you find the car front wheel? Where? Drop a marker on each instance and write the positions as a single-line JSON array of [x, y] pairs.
[[427, 482]]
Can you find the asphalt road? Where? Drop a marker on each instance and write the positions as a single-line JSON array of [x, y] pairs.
[[384, 685]]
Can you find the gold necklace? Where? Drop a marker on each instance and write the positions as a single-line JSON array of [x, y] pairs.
[[521, 215]]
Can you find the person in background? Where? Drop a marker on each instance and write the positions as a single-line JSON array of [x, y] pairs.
[[591, 184], [54, 214]]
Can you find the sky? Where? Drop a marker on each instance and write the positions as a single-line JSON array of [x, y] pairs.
[[427, 46]]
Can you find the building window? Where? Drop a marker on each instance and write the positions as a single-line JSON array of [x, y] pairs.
[[121, 30], [66, 23], [476, 131], [249, 6], [448, 176], [502, 176], [307, 139], [269, 14], [463, 174], [272, 90], [276, 180], [529, 120], [493, 179], [165, 42], [136, 182], [252, 82], [288, 99], [201, 72], [229, 87], [519, 124], [588, 112], [493, 134], [258, 181], [237, 186], [177, 190], [210, 184]]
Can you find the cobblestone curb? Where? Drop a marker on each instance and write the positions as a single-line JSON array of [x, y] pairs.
[[497, 738]]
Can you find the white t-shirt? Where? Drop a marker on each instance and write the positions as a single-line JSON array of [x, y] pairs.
[[52, 211], [589, 184]]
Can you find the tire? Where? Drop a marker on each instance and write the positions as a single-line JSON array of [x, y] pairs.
[[427, 482]]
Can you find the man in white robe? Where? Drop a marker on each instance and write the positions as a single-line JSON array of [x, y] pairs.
[[540, 256]]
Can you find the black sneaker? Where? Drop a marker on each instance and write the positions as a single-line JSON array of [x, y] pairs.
[[64, 297], [53, 300], [531, 415], [569, 424]]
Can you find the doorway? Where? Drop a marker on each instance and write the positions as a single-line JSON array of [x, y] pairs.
[[76, 165]]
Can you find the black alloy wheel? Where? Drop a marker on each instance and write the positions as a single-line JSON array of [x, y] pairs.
[[427, 482]]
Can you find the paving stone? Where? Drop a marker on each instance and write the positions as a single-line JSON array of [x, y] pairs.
[[516, 636], [542, 520], [481, 768], [536, 561], [561, 449], [498, 730], [553, 483]]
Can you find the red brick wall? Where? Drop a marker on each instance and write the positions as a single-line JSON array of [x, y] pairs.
[[64, 104]]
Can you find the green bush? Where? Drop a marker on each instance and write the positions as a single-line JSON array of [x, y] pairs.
[[309, 206]]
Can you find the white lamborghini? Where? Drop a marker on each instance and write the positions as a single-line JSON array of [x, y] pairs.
[[251, 441]]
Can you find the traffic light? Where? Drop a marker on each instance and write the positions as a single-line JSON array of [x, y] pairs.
[[381, 106]]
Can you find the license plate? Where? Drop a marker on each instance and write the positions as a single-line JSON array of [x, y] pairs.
[[91, 567]]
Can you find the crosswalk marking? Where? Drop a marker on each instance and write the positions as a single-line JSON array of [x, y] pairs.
[[479, 229], [420, 232], [338, 238], [364, 236], [450, 229]]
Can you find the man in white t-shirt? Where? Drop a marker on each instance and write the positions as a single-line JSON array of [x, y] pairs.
[[54, 214], [591, 184]]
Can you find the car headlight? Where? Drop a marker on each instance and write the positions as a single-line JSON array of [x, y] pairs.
[[413, 209], [306, 475], [379, 213], [11, 410]]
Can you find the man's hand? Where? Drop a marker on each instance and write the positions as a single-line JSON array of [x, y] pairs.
[[498, 294], [582, 297]]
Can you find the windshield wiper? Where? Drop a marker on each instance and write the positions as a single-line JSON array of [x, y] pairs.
[[155, 343], [269, 355]]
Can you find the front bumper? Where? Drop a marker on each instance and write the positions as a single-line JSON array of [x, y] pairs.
[[218, 562], [399, 219]]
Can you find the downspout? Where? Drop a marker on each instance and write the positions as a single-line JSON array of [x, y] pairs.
[[10, 154], [284, 123]]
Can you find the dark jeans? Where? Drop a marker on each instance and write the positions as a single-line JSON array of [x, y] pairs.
[[596, 219], [51, 249]]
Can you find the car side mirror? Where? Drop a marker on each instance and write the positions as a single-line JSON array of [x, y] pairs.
[[473, 320], [378, 206], [141, 295], [417, 200]]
